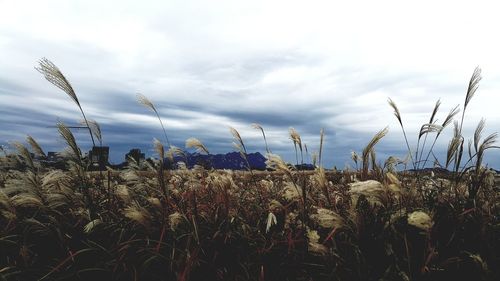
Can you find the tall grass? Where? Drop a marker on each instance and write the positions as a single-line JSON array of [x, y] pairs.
[[52, 73], [368, 152], [142, 99], [259, 127], [455, 151], [253, 225]]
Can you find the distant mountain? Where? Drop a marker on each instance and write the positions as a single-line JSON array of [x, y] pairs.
[[442, 171], [428, 170], [231, 160], [309, 167]]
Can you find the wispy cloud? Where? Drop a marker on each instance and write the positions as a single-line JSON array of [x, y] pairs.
[[208, 66]]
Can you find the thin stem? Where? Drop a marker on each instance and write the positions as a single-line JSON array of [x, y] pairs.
[[164, 132], [88, 127], [408, 146]]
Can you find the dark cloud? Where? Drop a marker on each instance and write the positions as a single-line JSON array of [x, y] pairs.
[[121, 135], [206, 69]]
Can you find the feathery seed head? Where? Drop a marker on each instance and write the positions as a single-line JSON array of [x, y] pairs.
[[291, 220], [24, 153], [7, 215], [429, 128], [154, 202], [129, 176], [434, 111], [267, 185], [91, 225], [368, 150], [240, 145], [354, 157], [275, 206], [314, 246], [68, 136], [35, 146], [320, 178], [257, 126], [291, 192], [159, 148], [371, 189], [122, 192], [55, 76], [4, 200], [449, 118], [274, 161], [327, 218], [392, 178], [26, 200], [142, 99], [294, 136], [235, 133], [473, 85], [420, 220], [271, 220], [198, 145], [138, 215], [175, 219], [396, 110], [94, 128]]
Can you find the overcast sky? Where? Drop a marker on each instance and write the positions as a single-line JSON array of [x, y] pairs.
[[208, 65]]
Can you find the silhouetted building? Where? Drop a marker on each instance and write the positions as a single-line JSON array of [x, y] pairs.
[[53, 156], [135, 154], [99, 157], [53, 160]]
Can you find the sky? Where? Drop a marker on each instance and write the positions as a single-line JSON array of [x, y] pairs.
[[208, 65]]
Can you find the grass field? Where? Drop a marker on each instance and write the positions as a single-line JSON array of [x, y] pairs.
[[224, 225], [376, 222]]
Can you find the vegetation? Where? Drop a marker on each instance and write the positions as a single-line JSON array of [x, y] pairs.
[[149, 223]]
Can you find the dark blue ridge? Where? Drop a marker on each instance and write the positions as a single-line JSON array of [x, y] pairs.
[[231, 160], [305, 167], [441, 170], [428, 170]]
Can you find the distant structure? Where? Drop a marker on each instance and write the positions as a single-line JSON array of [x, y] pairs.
[[136, 154], [53, 160], [99, 157], [53, 156]]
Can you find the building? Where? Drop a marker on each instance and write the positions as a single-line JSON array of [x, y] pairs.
[[53, 156], [135, 154], [99, 156]]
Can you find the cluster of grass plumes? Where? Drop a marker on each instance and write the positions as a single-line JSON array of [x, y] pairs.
[[150, 223], [228, 225]]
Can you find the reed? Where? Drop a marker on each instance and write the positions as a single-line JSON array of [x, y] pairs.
[[259, 127], [284, 224], [52, 74], [143, 100], [368, 150], [197, 144]]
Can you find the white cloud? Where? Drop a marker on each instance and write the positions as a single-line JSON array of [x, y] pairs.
[[208, 65]]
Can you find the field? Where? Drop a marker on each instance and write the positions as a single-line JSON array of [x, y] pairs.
[[229, 225], [391, 220]]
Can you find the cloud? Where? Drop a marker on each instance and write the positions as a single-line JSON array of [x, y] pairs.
[[207, 66]]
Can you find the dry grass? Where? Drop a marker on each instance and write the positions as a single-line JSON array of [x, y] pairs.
[[143, 100], [212, 212], [198, 145], [368, 150], [149, 223]]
